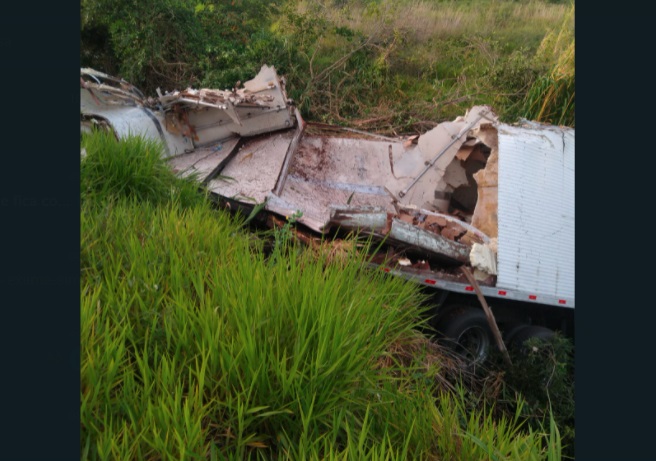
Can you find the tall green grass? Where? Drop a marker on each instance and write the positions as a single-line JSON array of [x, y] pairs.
[[480, 434], [195, 344], [134, 168], [192, 333], [551, 98]]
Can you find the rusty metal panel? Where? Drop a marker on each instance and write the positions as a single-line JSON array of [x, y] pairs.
[[536, 210], [333, 171], [315, 198], [375, 219], [329, 171]]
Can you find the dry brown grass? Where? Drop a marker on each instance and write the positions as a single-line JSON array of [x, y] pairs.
[[424, 20]]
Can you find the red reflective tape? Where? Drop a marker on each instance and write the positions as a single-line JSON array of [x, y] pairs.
[[532, 297], [562, 301], [469, 288], [430, 282], [502, 292]]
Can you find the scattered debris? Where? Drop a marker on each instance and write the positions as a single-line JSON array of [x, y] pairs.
[[469, 193], [436, 194]]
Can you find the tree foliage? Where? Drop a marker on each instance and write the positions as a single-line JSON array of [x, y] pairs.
[[174, 43]]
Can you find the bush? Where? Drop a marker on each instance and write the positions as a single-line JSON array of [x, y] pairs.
[[541, 378], [173, 43]]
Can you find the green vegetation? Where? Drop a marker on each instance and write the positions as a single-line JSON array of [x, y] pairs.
[[384, 65], [200, 343], [112, 170], [543, 373], [551, 96], [196, 344]]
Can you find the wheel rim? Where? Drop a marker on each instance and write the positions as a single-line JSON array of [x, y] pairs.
[[474, 343]]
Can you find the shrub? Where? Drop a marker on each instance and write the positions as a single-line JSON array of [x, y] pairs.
[[173, 43], [541, 379]]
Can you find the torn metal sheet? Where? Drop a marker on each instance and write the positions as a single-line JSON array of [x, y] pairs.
[[435, 244], [363, 218], [203, 162], [105, 89], [331, 171], [443, 142], [252, 173], [443, 224], [185, 120], [470, 191], [440, 235], [261, 106], [423, 167], [122, 107]]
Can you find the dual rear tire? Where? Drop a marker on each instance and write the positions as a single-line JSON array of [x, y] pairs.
[[466, 330], [525, 332]]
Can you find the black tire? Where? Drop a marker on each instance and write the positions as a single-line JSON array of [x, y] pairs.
[[511, 331], [467, 332], [522, 335]]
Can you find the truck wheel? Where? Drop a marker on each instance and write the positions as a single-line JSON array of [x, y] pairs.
[[531, 331], [511, 332], [467, 332]]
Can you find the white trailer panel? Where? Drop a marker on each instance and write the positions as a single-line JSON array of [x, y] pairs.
[[536, 210]]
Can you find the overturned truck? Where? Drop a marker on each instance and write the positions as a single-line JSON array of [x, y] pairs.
[[473, 193]]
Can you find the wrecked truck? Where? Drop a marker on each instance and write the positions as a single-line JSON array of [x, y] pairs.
[[479, 212]]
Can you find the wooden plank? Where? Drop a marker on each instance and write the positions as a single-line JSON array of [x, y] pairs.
[[488, 313]]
